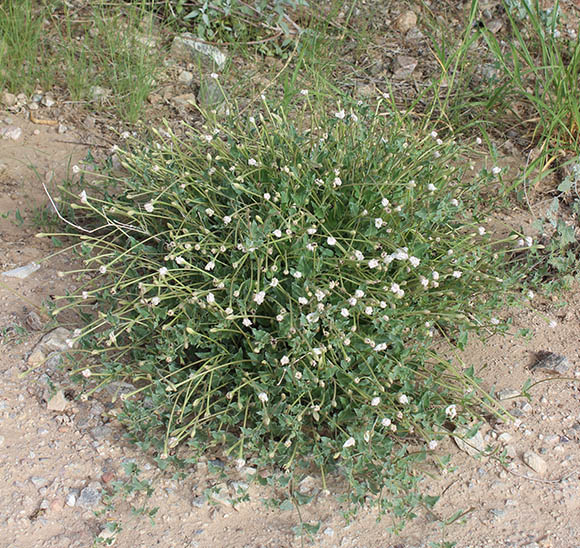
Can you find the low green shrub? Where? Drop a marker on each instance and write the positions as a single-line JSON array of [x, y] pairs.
[[272, 288]]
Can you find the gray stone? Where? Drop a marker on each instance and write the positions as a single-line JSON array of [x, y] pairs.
[[39, 482], [414, 35], [101, 432], [406, 21], [198, 502], [21, 272], [56, 340], [33, 321], [505, 437], [2, 438], [187, 100], [11, 132], [535, 462], [91, 495], [186, 47], [404, 67], [211, 94], [551, 362], [48, 101], [495, 25], [329, 532], [8, 99], [185, 77], [472, 446], [507, 393]]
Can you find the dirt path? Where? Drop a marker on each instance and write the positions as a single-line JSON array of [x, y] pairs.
[[57, 465]]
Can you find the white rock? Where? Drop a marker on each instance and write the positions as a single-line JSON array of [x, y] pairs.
[[22, 271], [11, 132], [58, 402], [406, 21], [535, 462], [507, 393], [472, 446], [188, 48]]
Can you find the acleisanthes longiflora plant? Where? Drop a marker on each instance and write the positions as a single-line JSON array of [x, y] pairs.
[[272, 287]]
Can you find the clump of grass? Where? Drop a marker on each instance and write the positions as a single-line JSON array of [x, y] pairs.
[[272, 288], [539, 73], [21, 43], [115, 51]]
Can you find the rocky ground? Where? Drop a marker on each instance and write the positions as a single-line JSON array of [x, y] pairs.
[[64, 460]]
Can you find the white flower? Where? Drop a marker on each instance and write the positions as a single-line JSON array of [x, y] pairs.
[[259, 297], [414, 261], [277, 233], [86, 373], [403, 399], [229, 311], [85, 295], [163, 271], [227, 220], [352, 301], [297, 274], [451, 411], [530, 294], [76, 169], [267, 196], [284, 360], [380, 347], [481, 230], [340, 114], [400, 294], [84, 198], [433, 444], [210, 266], [369, 310], [211, 171], [302, 300], [457, 274], [330, 240], [252, 162], [385, 202], [529, 241], [148, 207], [247, 322], [359, 256], [312, 230], [373, 263], [344, 312], [312, 317], [274, 282], [337, 182], [346, 342], [454, 202], [214, 75], [209, 212], [395, 287], [155, 301], [386, 422], [310, 246], [494, 321], [435, 275], [348, 443], [478, 141], [496, 170], [379, 222], [401, 254], [180, 260], [424, 281], [434, 134], [359, 293], [431, 187], [263, 397], [210, 297], [304, 92]]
